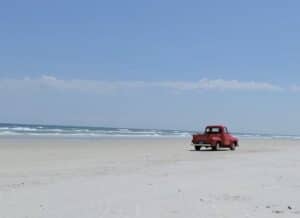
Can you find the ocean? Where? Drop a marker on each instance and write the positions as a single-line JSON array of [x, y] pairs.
[[85, 131], [33, 130]]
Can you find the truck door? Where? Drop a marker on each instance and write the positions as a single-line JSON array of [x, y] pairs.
[[226, 139]]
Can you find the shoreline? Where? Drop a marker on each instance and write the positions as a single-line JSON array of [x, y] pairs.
[[136, 137]]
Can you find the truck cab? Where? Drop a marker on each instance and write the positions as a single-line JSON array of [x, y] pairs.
[[215, 137]]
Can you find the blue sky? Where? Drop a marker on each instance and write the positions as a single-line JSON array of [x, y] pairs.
[[151, 64]]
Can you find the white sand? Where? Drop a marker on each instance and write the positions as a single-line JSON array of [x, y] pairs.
[[63, 178]]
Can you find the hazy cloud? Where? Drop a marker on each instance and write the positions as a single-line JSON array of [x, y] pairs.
[[93, 86], [221, 84], [295, 88]]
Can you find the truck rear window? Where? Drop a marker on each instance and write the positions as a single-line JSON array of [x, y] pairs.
[[213, 130]]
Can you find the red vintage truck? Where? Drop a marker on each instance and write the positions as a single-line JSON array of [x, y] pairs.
[[215, 137]]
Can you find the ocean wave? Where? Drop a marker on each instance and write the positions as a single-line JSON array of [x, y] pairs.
[[23, 129], [8, 133], [124, 130]]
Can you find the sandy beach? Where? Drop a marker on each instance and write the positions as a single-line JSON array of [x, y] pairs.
[[147, 178]]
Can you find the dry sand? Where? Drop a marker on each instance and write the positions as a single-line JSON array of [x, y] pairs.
[[64, 178]]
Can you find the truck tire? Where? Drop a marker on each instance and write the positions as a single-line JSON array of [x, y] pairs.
[[197, 148], [232, 146], [216, 147]]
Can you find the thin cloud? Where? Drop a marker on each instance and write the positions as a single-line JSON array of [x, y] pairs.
[[221, 84], [94, 86], [295, 88]]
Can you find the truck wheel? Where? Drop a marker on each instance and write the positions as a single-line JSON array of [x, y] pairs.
[[216, 147], [197, 148], [232, 147]]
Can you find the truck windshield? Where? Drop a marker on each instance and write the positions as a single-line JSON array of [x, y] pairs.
[[212, 130]]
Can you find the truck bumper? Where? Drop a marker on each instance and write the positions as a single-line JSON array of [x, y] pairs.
[[202, 145]]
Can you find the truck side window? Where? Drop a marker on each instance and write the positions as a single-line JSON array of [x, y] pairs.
[[225, 130]]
